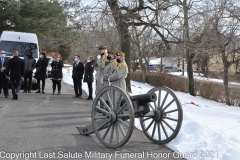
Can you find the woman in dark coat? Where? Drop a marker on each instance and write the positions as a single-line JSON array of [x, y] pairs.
[[40, 74], [88, 75], [56, 73]]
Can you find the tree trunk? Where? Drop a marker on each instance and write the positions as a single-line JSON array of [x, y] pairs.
[[140, 55], [186, 39], [225, 79], [190, 74], [124, 35], [125, 47], [143, 69]]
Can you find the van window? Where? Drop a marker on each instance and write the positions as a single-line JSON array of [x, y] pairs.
[[22, 47], [168, 67]]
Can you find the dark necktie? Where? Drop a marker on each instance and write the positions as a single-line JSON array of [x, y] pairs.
[[2, 62]]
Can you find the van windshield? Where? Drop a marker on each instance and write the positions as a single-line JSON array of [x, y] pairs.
[[22, 47]]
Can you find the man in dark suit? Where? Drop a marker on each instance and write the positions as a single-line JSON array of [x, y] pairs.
[[16, 69], [77, 75], [3, 79]]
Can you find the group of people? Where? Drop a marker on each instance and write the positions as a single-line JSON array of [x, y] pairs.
[[41, 65], [77, 75], [111, 70], [16, 69]]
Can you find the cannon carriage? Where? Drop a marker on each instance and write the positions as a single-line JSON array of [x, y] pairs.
[[113, 114]]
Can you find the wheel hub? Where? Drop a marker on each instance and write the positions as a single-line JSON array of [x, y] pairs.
[[111, 117], [158, 115]]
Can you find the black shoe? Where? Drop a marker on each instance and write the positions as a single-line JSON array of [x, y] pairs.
[[89, 99], [53, 93], [29, 91], [58, 93], [38, 91], [6, 96], [15, 97], [24, 91]]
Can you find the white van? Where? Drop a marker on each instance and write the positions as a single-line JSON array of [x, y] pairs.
[[22, 42], [49, 68]]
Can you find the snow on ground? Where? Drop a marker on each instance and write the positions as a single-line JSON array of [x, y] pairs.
[[210, 130], [201, 77], [208, 127], [155, 61]]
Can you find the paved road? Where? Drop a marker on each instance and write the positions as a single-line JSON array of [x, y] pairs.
[[43, 126]]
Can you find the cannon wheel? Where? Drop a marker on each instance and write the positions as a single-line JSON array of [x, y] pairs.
[[167, 120], [113, 124]]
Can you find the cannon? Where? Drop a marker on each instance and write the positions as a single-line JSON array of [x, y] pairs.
[[114, 111]]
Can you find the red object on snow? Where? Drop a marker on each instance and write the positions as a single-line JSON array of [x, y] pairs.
[[192, 103]]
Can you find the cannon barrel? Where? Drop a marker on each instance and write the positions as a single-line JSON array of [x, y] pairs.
[[142, 98]]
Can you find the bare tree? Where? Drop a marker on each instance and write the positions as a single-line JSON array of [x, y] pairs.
[[225, 35], [140, 40], [96, 30], [169, 19], [124, 35]]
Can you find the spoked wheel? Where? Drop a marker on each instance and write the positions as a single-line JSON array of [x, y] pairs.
[[165, 119], [112, 117]]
